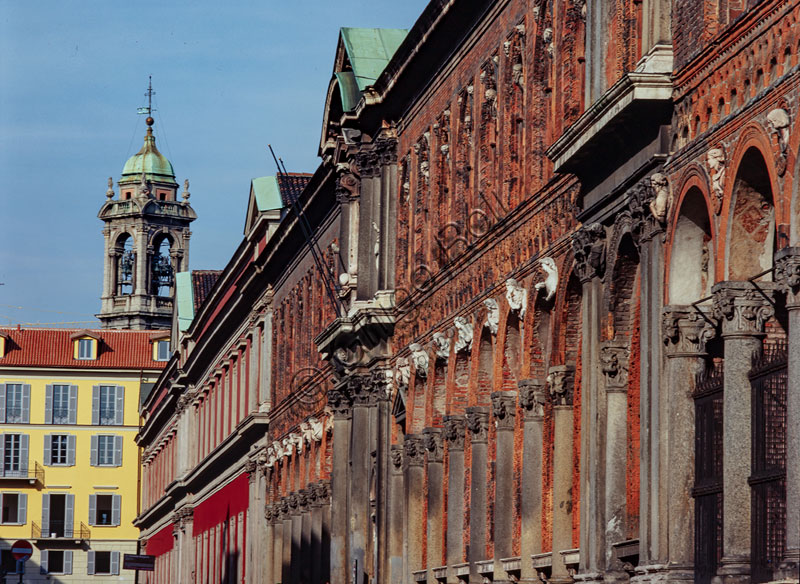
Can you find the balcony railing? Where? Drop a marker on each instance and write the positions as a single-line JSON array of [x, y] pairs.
[[58, 529], [32, 475]]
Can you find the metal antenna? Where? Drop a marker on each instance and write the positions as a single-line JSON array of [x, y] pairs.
[[149, 95], [294, 198]]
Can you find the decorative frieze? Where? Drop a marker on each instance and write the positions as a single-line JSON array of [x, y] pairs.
[[432, 438], [504, 409], [614, 357], [561, 380], [464, 334], [454, 429], [413, 450], [686, 330], [532, 398], [477, 422], [743, 308], [589, 249]]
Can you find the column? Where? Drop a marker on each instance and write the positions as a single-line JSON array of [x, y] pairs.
[[589, 249], [339, 401], [297, 538], [685, 329], [787, 274], [277, 544], [614, 357], [561, 380], [531, 401], [361, 447], [396, 516], [267, 555], [414, 452], [306, 557], [286, 547], [504, 410], [143, 258], [186, 539], [315, 557], [435, 534], [323, 491], [742, 309], [477, 419], [454, 427]]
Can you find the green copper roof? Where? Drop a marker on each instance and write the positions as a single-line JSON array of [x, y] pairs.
[[185, 298], [267, 193], [369, 51], [150, 161]]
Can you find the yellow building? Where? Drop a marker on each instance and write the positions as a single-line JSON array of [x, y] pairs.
[[69, 466]]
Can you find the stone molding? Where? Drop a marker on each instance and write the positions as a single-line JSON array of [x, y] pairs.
[[413, 450], [432, 438], [504, 409], [614, 359], [561, 380], [454, 430], [787, 274], [477, 422], [532, 397], [743, 308], [589, 249], [686, 330]]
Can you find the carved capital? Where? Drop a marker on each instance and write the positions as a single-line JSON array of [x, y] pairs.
[[250, 467], [649, 202], [304, 499], [561, 381], [454, 427], [361, 388], [532, 397], [322, 492], [614, 357], [589, 248], [432, 437], [477, 420], [340, 401], [413, 450], [743, 308], [386, 149], [686, 330], [787, 274], [368, 161], [346, 187], [396, 454], [504, 409]]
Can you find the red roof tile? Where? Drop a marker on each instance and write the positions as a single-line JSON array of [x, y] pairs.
[[291, 185], [202, 283], [117, 349]]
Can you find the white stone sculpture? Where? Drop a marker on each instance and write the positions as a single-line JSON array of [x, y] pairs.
[[288, 446], [550, 282], [492, 315], [420, 358], [517, 297], [402, 373], [779, 122], [662, 202], [441, 345], [716, 164], [464, 333]]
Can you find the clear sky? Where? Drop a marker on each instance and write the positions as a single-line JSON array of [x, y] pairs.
[[230, 77]]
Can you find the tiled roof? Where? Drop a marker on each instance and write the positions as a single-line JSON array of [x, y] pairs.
[[117, 349], [291, 185], [202, 283]]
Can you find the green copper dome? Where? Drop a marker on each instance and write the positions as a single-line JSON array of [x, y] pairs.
[[149, 161]]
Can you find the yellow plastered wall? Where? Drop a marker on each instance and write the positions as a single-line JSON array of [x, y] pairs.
[[82, 479]]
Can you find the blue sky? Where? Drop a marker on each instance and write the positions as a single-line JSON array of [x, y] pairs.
[[230, 77]]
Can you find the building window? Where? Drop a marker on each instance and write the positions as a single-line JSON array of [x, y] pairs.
[[55, 562], [61, 404], [15, 404], [15, 455], [59, 449], [162, 350], [108, 403], [106, 450], [103, 563], [86, 348], [14, 508], [105, 509]]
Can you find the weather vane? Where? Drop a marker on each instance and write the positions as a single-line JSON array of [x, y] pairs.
[[149, 95]]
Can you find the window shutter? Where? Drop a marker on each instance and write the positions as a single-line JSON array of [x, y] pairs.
[[69, 515], [2, 454], [43, 562], [90, 563], [93, 451], [2, 402], [117, 450], [73, 404], [48, 449], [71, 439], [96, 405], [67, 562], [46, 515], [48, 404], [23, 454], [26, 404], [115, 563], [92, 509], [119, 410], [116, 509], [22, 508]]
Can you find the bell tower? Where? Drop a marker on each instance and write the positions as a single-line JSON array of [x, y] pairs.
[[146, 240]]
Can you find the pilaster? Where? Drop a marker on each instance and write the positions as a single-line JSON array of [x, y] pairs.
[[532, 397], [454, 430], [561, 381], [414, 459], [434, 446], [477, 423], [504, 410]]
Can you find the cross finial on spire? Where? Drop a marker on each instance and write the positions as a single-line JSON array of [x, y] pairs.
[[149, 109]]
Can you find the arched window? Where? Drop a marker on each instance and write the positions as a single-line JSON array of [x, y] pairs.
[[691, 271], [126, 265], [162, 274]]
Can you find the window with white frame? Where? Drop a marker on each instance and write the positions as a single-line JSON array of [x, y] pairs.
[[86, 348], [106, 450], [59, 449], [15, 403], [14, 455], [162, 350], [61, 404], [108, 405]]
